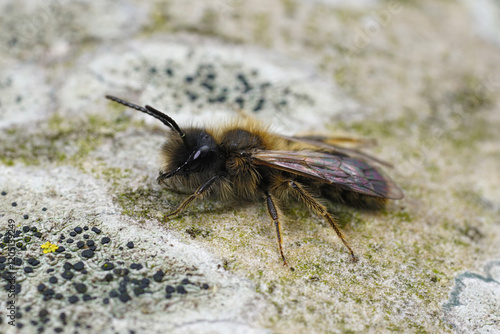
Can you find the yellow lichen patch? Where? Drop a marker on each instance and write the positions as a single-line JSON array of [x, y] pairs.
[[49, 248]]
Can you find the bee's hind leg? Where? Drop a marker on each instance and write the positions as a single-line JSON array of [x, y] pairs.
[[274, 216], [318, 208]]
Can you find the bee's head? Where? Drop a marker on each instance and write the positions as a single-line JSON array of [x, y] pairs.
[[197, 152], [186, 152]]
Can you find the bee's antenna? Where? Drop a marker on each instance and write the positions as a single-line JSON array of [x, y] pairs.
[[165, 119]]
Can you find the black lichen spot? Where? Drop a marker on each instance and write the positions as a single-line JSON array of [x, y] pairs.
[[67, 266], [78, 229], [145, 283], [90, 243], [259, 105], [185, 281], [136, 266], [88, 253], [170, 289], [27, 239], [38, 234], [139, 291], [49, 292], [108, 277], [44, 209], [28, 270], [14, 204], [85, 228], [80, 244], [87, 298], [53, 279], [113, 293], [96, 230], [34, 262], [180, 289], [86, 236], [122, 288], [60, 249], [67, 275], [121, 272], [191, 95], [158, 276], [72, 233], [81, 288], [4, 193], [78, 266], [41, 287], [105, 240], [58, 296], [43, 313], [107, 266], [205, 286], [26, 229], [33, 229], [105, 301], [69, 241], [241, 77], [73, 299], [124, 297], [67, 256], [130, 244], [240, 102]]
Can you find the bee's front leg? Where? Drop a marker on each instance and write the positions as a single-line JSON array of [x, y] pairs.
[[199, 193]]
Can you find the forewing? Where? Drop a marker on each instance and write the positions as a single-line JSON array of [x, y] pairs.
[[333, 145], [348, 173]]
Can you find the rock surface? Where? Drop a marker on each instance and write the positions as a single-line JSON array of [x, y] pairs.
[[422, 78]]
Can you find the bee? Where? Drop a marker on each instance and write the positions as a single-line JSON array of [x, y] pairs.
[[244, 160]]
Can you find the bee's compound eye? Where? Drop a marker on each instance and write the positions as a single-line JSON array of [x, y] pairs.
[[201, 152]]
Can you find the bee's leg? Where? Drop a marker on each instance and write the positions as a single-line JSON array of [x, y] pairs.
[[274, 216], [199, 193], [319, 209]]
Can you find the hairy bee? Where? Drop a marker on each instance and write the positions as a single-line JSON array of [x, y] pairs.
[[243, 160]]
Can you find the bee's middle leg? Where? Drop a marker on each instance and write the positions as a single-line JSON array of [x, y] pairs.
[[273, 212]]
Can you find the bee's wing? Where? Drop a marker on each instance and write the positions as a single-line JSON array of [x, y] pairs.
[[333, 145], [342, 171]]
